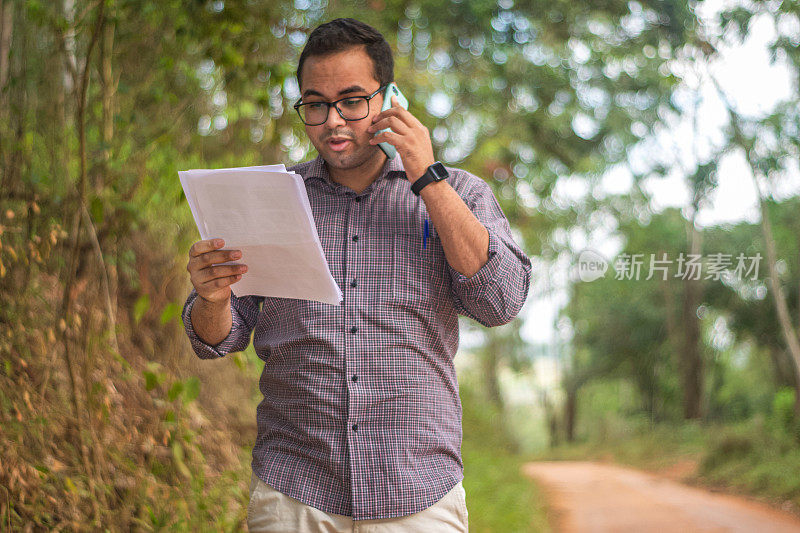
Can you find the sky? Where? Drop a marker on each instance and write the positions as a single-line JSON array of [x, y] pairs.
[[755, 86]]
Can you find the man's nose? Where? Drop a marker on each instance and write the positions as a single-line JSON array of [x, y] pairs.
[[334, 118]]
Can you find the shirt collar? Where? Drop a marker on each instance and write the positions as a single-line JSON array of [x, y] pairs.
[[392, 168]]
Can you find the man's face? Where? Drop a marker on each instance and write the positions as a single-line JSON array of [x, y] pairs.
[[342, 144]]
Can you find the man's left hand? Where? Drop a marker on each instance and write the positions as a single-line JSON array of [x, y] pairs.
[[408, 135]]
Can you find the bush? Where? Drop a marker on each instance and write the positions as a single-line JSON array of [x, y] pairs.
[[730, 447], [783, 413]]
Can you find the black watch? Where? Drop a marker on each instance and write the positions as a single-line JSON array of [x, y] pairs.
[[436, 172]]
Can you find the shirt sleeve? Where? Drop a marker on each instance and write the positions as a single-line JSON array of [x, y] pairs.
[[495, 294], [244, 312]]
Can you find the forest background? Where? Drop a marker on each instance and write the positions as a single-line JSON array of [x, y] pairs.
[[584, 118]]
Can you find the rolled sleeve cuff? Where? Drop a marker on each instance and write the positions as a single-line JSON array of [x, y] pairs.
[[203, 349], [474, 288]]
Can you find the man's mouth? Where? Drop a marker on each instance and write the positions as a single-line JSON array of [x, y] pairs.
[[338, 144]]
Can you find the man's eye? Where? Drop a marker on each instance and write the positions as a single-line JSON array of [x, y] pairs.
[[352, 102], [315, 106]]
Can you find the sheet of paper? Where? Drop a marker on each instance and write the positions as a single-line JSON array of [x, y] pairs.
[[188, 177], [264, 212]]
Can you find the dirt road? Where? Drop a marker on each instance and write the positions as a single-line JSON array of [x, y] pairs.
[[592, 497]]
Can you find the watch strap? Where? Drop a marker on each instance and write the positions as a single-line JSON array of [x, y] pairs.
[[435, 172]]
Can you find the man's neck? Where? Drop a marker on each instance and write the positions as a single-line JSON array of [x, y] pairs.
[[358, 178]]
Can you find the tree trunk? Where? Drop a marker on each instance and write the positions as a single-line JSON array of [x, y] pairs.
[[551, 416], [107, 91], [552, 421], [778, 296], [691, 359], [490, 362], [783, 368], [14, 100], [103, 176], [570, 413], [66, 311], [6, 26]]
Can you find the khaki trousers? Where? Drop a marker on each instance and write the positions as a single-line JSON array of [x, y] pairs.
[[271, 511]]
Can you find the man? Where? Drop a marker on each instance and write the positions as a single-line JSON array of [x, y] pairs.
[[360, 425]]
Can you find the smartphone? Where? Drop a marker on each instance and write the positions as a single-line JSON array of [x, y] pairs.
[[391, 90]]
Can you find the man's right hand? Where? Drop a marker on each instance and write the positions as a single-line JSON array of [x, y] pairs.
[[211, 280]]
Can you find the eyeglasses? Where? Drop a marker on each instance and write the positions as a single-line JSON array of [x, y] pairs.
[[349, 108]]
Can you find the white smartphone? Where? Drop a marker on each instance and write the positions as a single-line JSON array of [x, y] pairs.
[[391, 90]]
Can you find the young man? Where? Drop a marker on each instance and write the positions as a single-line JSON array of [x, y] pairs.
[[360, 425]]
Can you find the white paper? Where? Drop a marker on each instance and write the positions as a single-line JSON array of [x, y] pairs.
[[264, 212]]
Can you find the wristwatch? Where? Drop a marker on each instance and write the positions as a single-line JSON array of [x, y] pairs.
[[435, 172]]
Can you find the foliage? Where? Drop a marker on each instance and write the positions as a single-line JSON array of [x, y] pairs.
[[757, 459], [783, 412], [623, 326], [499, 497], [628, 328]]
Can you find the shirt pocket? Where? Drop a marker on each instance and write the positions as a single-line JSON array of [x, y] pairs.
[[419, 275]]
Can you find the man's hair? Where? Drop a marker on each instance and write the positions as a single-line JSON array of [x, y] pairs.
[[343, 34]]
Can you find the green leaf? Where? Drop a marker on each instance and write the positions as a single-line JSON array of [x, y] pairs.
[[140, 307], [178, 456], [191, 389], [170, 312], [175, 391], [96, 209], [151, 380]]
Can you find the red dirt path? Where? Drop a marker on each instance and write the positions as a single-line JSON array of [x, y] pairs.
[[592, 497]]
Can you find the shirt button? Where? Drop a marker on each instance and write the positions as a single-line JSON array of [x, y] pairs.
[[353, 283], [353, 329], [354, 427], [355, 238], [358, 198], [355, 377]]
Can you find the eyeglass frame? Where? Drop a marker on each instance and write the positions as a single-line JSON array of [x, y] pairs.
[[300, 103]]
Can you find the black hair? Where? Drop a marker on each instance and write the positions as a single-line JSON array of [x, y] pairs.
[[343, 34]]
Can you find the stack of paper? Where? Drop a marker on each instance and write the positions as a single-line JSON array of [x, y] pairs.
[[264, 212]]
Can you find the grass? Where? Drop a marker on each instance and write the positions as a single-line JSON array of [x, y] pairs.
[[499, 497]]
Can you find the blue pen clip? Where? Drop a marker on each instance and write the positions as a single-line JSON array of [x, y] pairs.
[[425, 235]]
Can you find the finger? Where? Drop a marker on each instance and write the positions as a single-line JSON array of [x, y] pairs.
[[218, 283], [201, 247], [218, 256], [395, 102], [399, 112], [394, 123], [405, 115], [389, 137], [219, 271], [209, 258]]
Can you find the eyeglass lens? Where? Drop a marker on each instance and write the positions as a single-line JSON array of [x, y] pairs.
[[315, 113]]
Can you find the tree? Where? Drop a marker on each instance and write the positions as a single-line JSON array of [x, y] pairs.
[[769, 145]]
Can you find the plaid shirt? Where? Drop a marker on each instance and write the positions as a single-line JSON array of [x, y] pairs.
[[361, 414]]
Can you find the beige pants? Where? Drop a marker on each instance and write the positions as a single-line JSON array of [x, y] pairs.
[[271, 511]]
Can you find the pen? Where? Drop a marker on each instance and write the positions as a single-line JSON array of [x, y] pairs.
[[425, 235]]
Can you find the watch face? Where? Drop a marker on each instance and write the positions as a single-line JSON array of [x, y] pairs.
[[438, 171]]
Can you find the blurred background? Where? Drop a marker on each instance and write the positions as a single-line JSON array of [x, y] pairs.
[[645, 152]]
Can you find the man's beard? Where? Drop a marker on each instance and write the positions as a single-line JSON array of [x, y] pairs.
[[354, 159]]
